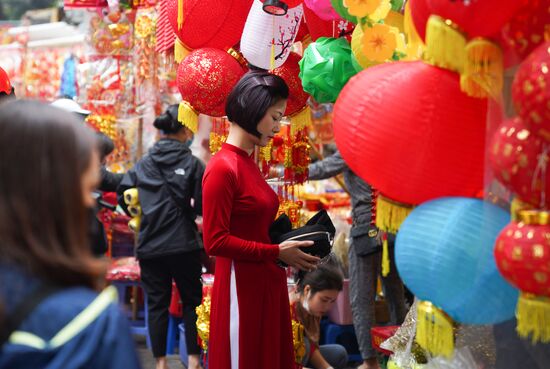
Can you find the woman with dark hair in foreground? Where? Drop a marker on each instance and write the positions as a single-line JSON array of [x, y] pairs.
[[51, 315], [250, 314]]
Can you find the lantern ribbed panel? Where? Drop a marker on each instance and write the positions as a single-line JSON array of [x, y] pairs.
[[165, 36]]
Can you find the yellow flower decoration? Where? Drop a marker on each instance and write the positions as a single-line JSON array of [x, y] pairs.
[[362, 8], [379, 42], [381, 11]]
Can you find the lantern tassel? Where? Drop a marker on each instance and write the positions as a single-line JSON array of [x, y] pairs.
[[415, 46], [434, 330], [385, 257], [445, 45], [180, 14], [533, 314], [516, 206], [203, 322], [483, 69], [390, 214], [300, 120], [180, 51], [188, 116]]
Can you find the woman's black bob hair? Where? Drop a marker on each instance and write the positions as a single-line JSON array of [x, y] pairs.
[[249, 100]]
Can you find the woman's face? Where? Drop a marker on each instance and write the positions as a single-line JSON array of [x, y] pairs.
[[90, 180], [270, 124], [320, 303]]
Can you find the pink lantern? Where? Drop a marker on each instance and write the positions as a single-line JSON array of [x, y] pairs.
[[323, 9]]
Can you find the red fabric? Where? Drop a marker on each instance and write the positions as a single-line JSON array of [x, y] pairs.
[[238, 208], [124, 269], [380, 334]]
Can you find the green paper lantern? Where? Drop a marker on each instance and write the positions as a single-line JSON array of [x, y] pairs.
[[326, 67], [338, 5]]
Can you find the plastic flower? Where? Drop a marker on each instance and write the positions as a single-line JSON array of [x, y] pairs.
[[379, 42], [362, 8]]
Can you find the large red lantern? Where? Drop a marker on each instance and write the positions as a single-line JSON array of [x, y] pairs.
[[205, 78], [531, 91], [478, 18], [522, 255], [85, 4], [289, 71], [408, 130], [519, 160], [528, 28], [208, 23]]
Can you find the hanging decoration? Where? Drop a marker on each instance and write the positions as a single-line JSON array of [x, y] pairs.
[[279, 7], [444, 256], [445, 140], [528, 28], [323, 9], [218, 135], [111, 35], [267, 39], [205, 79], [320, 28], [325, 68], [519, 160], [68, 4], [522, 255], [208, 23], [531, 91], [165, 36]]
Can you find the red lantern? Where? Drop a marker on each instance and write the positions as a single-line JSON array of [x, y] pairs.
[[528, 28], [408, 130], [209, 23], [478, 18], [289, 71], [321, 28], [279, 7], [522, 255], [519, 159], [531, 91], [205, 79]]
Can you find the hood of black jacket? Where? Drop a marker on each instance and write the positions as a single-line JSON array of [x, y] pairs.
[[168, 152]]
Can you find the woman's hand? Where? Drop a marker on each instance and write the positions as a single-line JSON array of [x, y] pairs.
[[290, 253]]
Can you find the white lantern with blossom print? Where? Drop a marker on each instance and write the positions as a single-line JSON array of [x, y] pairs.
[[267, 39]]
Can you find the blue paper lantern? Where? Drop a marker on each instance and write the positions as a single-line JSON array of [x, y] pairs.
[[444, 254]]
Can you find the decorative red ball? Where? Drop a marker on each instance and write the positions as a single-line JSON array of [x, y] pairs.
[[206, 77], [522, 254], [519, 159], [289, 71], [531, 91], [209, 23], [528, 28], [408, 130]]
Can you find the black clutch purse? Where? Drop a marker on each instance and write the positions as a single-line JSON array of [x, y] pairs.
[[318, 229]]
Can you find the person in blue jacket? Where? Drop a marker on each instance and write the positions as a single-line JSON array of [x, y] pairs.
[[52, 314]]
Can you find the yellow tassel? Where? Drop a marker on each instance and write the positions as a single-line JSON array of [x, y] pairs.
[[300, 120], [533, 314], [134, 224], [385, 258], [415, 45], [445, 45], [180, 14], [188, 116], [483, 69], [272, 58], [390, 214], [131, 196], [434, 330], [203, 321], [265, 152], [180, 50]]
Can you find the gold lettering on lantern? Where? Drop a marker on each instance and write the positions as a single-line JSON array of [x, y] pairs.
[[538, 251], [536, 38], [527, 87], [541, 277], [496, 146], [505, 175], [505, 265], [523, 134], [530, 234], [545, 134], [500, 245], [518, 235], [508, 149], [515, 169], [541, 82], [516, 253], [523, 160], [544, 68], [509, 233], [510, 132]]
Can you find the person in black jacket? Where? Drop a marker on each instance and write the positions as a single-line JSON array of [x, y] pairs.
[[169, 183]]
